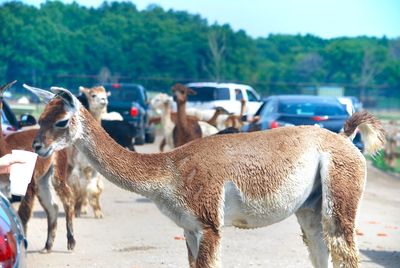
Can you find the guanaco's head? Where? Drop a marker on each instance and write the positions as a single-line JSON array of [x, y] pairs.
[[97, 97], [221, 110], [59, 122], [181, 92], [161, 101]]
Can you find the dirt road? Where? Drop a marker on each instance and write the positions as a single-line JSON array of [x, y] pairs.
[[133, 234]]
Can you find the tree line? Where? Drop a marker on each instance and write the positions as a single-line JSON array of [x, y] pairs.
[[71, 45]]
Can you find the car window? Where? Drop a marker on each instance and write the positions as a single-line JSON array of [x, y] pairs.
[[238, 94], [131, 93], [209, 94], [310, 108], [251, 96]]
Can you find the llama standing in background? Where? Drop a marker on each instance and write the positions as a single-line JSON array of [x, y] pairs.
[[247, 180], [162, 104], [84, 179], [50, 172], [236, 121], [219, 111], [121, 131], [185, 130]]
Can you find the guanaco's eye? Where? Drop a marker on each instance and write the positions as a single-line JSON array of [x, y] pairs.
[[93, 96], [62, 123]]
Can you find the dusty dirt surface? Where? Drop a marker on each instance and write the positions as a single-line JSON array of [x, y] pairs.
[[133, 234]]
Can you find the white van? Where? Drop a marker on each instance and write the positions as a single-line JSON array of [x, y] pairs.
[[227, 95]]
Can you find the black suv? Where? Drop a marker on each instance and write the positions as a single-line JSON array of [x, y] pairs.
[[130, 100]]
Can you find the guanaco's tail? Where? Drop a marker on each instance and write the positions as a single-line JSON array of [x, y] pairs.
[[372, 133]]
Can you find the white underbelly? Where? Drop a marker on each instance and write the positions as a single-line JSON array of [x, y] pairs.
[[243, 212]]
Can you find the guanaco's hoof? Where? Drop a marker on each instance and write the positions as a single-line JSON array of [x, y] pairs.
[[98, 215], [71, 244]]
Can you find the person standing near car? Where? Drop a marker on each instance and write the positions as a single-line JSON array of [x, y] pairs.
[[7, 161]]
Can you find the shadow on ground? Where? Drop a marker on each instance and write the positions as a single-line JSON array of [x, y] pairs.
[[388, 259], [42, 214]]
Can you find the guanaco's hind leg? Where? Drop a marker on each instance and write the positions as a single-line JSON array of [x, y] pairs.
[[342, 189], [162, 145], [209, 248], [94, 189], [67, 199], [311, 227], [192, 245]]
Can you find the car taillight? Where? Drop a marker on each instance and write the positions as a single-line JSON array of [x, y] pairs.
[[8, 246], [274, 124], [319, 118], [134, 111], [11, 129], [116, 85]]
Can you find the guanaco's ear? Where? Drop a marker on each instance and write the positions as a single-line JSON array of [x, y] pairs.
[[3, 88], [44, 95], [176, 87], [84, 90], [66, 96], [191, 91]]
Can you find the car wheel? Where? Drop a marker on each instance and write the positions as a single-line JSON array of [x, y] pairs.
[[150, 137], [139, 140]]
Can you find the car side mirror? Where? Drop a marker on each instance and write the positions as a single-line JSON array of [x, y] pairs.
[[27, 120]]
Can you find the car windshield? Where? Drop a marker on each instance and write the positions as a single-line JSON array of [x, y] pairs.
[[4, 122], [4, 119], [209, 94], [302, 107], [131, 93]]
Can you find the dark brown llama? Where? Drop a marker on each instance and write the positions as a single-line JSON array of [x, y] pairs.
[[185, 130]]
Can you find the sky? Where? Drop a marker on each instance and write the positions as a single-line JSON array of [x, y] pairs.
[[259, 18]]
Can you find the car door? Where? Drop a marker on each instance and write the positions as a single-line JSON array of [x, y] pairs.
[[253, 101]]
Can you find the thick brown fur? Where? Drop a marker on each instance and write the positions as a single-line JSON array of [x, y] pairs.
[[247, 180]]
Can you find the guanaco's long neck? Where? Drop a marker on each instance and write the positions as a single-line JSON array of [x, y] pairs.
[[181, 114], [98, 113], [166, 116], [213, 119], [140, 173]]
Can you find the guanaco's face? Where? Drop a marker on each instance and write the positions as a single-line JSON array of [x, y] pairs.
[[160, 101], [59, 125], [97, 97], [181, 92]]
